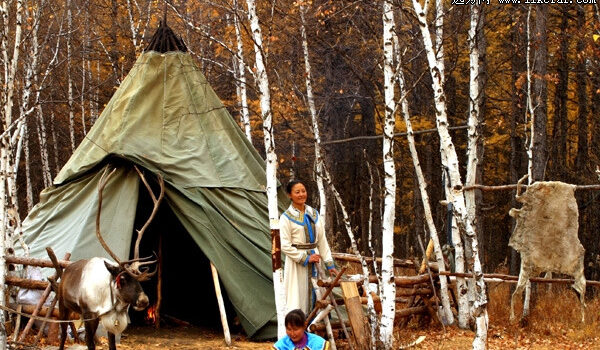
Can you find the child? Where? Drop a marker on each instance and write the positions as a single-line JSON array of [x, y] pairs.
[[297, 338]]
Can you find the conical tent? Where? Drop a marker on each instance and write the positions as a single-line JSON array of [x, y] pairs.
[[166, 118]]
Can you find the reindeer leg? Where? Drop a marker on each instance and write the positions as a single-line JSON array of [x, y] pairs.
[[111, 341], [62, 312], [90, 330], [523, 279]]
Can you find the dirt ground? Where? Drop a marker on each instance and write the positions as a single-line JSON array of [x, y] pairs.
[[436, 338], [554, 323]]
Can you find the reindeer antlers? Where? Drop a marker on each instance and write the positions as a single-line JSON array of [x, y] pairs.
[[103, 180], [131, 266]]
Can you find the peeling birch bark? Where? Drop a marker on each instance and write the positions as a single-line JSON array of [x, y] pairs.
[[479, 307], [388, 287]]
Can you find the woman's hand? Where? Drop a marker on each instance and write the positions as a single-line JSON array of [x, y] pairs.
[[314, 258], [333, 272]]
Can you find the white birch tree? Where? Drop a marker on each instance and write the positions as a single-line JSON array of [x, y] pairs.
[[262, 80], [240, 72], [388, 287], [310, 99], [8, 140], [447, 310], [323, 177], [448, 155], [479, 307], [454, 193], [69, 77]]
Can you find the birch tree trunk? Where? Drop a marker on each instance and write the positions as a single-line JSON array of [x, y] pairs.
[[422, 185], [241, 76], [28, 185], [388, 290], [55, 143], [313, 114], [323, 176], [448, 157], [454, 195], [69, 78], [271, 161], [7, 174], [479, 308], [354, 249], [531, 112]]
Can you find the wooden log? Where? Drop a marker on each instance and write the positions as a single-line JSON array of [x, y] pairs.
[[323, 314], [355, 315], [509, 278], [325, 295], [411, 311], [401, 282], [46, 314], [46, 293], [28, 309], [514, 186], [428, 253], [26, 283], [12, 259], [334, 325], [397, 262], [222, 312], [18, 323], [402, 292], [403, 300], [322, 274]]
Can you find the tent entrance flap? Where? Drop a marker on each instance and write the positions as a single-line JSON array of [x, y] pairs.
[[186, 281]]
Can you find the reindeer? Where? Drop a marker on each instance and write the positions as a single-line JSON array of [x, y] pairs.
[[100, 290]]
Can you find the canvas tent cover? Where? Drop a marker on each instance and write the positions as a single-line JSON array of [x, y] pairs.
[[166, 118]]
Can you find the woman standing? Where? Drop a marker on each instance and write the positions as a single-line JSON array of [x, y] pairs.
[[304, 244]]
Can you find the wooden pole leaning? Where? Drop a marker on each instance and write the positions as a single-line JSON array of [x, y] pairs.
[[215, 276], [335, 306], [159, 284], [319, 294], [324, 296]]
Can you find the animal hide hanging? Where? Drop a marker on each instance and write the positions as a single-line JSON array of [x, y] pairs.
[[546, 228]]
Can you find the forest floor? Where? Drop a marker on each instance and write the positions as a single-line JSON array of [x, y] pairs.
[[554, 323]]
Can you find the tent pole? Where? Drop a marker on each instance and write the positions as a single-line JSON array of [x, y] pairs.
[[215, 276], [159, 283]]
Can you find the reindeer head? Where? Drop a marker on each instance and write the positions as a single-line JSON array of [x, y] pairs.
[[128, 287], [136, 267]]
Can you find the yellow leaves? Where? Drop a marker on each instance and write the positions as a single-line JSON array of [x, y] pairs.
[[595, 36]]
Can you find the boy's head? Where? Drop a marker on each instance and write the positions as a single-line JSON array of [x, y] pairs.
[[294, 325]]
